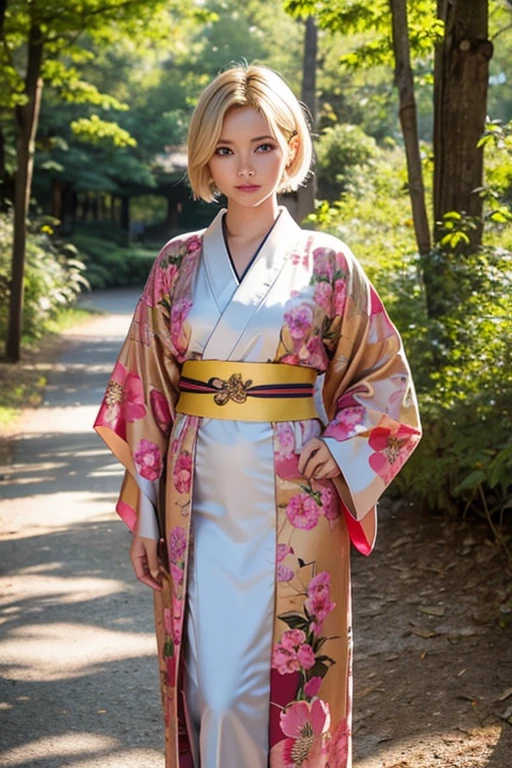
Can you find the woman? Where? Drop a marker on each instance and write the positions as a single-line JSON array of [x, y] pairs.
[[262, 378]]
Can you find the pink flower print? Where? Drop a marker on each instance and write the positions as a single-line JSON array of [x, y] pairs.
[[306, 656], [346, 423], [178, 543], [134, 398], [292, 639], [283, 550], [123, 401], [312, 687], [194, 244], [318, 603], [292, 653], [179, 312], [161, 412], [290, 360], [284, 661], [168, 621], [182, 472], [329, 504], [303, 511], [286, 460], [392, 446], [300, 321], [317, 356], [323, 297], [341, 262], [285, 439], [339, 746], [340, 295], [323, 263], [177, 616], [306, 725], [177, 574], [320, 585], [148, 460], [283, 572]]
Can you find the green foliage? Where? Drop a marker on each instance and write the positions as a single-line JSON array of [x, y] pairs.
[[109, 263], [461, 362], [342, 152], [53, 276]]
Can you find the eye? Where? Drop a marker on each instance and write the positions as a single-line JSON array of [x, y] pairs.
[[220, 151], [269, 146]]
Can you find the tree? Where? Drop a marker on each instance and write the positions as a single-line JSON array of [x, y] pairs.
[[306, 195], [36, 35], [460, 107]]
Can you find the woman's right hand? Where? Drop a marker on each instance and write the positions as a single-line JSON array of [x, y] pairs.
[[144, 559]]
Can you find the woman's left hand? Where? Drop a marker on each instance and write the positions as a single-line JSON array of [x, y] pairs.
[[316, 461]]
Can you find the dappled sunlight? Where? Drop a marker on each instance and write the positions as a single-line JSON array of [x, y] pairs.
[[52, 590], [473, 748], [61, 651], [69, 744]]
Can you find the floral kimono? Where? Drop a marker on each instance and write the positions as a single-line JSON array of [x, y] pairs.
[[254, 619]]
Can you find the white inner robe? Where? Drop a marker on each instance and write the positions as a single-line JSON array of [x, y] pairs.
[[231, 574]]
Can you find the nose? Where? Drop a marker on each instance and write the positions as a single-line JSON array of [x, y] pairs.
[[245, 170]]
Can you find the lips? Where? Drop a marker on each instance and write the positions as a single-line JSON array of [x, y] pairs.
[[248, 187]]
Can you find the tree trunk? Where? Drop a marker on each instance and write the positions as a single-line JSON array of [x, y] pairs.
[[306, 195], [27, 117], [408, 119], [460, 105], [57, 199]]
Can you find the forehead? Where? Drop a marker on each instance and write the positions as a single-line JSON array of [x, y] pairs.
[[245, 120]]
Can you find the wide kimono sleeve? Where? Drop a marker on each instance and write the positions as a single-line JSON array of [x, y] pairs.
[[138, 407], [373, 420]]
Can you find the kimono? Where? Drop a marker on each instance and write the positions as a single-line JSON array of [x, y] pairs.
[[254, 619]]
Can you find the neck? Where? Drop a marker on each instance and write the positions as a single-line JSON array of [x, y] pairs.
[[246, 224]]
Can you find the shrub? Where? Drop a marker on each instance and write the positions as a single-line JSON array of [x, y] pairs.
[[461, 361], [110, 265], [53, 275], [343, 152]]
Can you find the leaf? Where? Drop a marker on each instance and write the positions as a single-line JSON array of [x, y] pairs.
[[319, 669], [294, 620], [432, 610], [471, 482], [169, 648]]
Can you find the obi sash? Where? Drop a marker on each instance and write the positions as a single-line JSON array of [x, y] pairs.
[[238, 391]]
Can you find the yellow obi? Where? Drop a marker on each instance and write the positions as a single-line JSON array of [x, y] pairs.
[[219, 389]]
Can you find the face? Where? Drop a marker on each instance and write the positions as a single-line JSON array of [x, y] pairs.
[[248, 162]]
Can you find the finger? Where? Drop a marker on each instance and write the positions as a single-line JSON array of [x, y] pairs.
[[139, 561], [150, 547], [143, 574], [314, 467], [329, 470], [150, 582], [307, 452]]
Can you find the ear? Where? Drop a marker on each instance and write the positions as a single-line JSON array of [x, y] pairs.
[[293, 146]]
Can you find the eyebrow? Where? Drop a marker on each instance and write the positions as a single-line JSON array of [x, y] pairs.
[[258, 138]]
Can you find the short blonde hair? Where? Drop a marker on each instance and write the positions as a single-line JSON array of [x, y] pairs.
[[245, 85]]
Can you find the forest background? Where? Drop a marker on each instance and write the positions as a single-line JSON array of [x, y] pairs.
[[95, 99]]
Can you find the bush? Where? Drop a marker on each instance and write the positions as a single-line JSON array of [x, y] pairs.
[[53, 276], [461, 361], [110, 265], [343, 152]]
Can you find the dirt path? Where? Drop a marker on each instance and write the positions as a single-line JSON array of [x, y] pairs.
[[79, 680]]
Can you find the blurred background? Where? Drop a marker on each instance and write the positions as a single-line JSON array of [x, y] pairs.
[[411, 112]]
